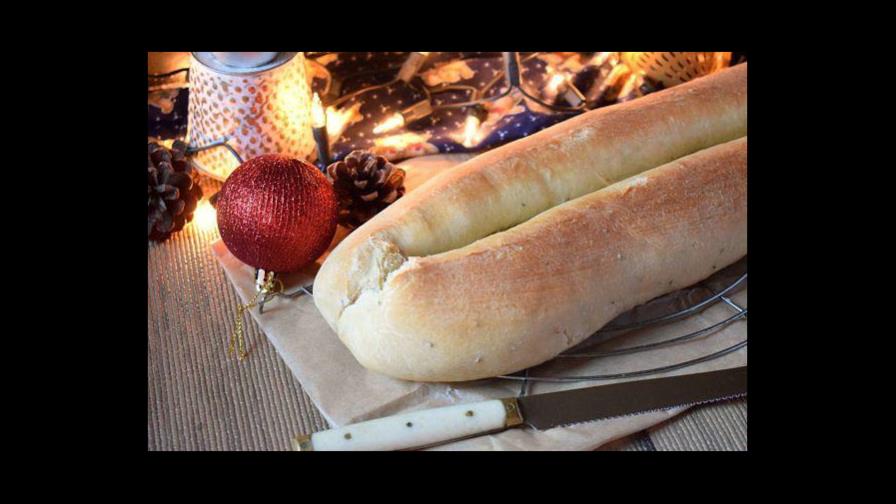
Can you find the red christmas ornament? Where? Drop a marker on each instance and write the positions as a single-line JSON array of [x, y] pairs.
[[277, 213]]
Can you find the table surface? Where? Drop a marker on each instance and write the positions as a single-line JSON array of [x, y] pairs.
[[200, 399]]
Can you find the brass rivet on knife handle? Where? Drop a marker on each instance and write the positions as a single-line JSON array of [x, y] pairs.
[[302, 443], [513, 416]]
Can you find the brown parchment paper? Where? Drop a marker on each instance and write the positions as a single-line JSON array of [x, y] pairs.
[[345, 392]]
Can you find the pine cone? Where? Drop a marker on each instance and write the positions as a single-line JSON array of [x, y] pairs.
[[173, 194], [365, 184]]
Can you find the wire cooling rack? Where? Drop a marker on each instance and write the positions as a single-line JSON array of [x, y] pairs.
[[665, 309]]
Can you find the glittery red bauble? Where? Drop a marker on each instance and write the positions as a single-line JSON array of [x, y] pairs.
[[277, 213]]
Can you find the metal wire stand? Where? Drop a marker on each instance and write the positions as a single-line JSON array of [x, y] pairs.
[[624, 323]]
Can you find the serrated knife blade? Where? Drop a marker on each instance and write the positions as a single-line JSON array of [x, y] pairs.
[[544, 411], [431, 427]]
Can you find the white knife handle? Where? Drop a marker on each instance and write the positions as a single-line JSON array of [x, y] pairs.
[[417, 429]]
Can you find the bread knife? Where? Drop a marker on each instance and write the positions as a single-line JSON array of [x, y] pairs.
[[432, 427]]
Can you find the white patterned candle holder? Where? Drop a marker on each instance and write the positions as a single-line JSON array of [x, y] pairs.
[[258, 110]]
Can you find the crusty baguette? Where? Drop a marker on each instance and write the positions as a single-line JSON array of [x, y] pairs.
[[520, 297], [413, 294]]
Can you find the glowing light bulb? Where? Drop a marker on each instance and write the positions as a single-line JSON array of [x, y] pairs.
[[553, 86], [471, 127], [338, 120], [205, 218], [411, 65], [396, 120]]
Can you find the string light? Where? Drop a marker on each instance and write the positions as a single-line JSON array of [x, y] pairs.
[[628, 88], [471, 127], [318, 117], [478, 114], [600, 58], [424, 108], [338, 120], [413, 113], [564, 96], [396, 120], [599, 93], [205, 218], [412, 65], [560, 85], [554, 84], [319, 129]]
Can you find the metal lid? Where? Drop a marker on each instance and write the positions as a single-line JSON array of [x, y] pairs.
[[208, 60]]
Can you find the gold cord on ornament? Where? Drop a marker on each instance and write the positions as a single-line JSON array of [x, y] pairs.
[[237, 341]]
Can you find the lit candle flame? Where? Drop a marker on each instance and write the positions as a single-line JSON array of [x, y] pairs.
[[394, 121], [471, 127], [318, 116], [205, 218]]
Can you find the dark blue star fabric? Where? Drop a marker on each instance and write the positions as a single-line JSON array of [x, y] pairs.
[[445, 78]]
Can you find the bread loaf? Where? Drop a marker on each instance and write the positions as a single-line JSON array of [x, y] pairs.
[[505, 261]]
